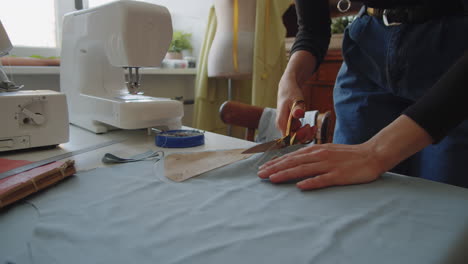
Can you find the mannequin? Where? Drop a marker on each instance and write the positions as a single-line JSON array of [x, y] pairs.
[[231, 56]]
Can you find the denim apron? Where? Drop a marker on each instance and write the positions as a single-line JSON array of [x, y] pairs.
[[388, 68]]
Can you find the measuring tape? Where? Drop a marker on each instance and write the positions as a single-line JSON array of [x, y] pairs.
[[180, 139]]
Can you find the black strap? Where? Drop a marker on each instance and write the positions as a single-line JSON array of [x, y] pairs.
[[420, 14]]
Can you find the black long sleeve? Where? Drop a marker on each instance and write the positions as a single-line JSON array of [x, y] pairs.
[[445, 105], [313, 18]]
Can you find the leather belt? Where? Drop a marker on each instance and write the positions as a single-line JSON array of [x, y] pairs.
[[413, 14]]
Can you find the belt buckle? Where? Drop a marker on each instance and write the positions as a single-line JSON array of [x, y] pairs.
[[385, 20]]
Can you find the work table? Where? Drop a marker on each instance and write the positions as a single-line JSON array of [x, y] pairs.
[[131, 213]]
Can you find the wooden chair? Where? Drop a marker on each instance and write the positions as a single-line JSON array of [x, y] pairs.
[[248, 116]]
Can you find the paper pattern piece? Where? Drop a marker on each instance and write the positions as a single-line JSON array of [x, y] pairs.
[[182, 166]]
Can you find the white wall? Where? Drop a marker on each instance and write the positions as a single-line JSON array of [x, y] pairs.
[[190, 16]]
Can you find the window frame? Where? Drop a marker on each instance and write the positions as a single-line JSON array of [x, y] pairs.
[[61, 8]]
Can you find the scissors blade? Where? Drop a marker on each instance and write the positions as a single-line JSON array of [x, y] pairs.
[[270, 145]]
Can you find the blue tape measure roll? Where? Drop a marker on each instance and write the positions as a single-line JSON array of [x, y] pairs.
[[180, 139]]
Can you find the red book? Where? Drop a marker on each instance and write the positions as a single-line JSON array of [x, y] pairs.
[[18, 186]]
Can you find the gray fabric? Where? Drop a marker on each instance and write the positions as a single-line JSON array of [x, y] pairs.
[[130, 213], [267, 130]]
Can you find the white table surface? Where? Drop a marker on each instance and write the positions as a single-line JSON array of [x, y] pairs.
[[133, 142]]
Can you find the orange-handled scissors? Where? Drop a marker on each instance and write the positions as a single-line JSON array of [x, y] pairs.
[[285, 141]]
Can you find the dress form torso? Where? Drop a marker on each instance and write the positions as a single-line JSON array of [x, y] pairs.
[[231, 56]]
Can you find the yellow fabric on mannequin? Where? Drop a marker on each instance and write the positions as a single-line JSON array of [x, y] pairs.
[[268, 66], [210, 93], [270, 53], [235, 38]]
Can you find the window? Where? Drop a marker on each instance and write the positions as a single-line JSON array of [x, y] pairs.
[[34, 27], [93, 3], [36, 30]]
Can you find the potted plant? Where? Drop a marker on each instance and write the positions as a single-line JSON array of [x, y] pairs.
[[338, 27], [180, 42]]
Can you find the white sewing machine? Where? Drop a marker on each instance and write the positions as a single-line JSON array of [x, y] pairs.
[[29, 118], [102, 51]]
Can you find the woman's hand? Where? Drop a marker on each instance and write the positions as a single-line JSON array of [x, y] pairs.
[[288, 94], [320, 166], [287, 98], [299, 68]]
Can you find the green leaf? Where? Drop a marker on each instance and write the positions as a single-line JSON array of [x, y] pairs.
[[180, 41], [339, 24]]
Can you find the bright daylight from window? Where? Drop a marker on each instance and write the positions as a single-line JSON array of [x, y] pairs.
[[93, 3], [30, 22]]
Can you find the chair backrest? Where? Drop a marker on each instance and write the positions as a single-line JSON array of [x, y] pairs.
[[248, 116]]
